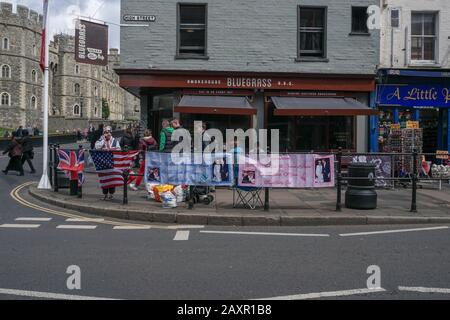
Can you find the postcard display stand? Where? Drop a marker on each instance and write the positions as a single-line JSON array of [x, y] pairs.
[[405, 141]]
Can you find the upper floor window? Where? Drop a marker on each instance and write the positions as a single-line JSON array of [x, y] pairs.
[[76, 89], [6, 71], [191, 30], [33, 103], [5, 99], [423, 36], [312, 32], [95, 91], [76, 110], [5, 44], [33, 76], [77, 69], [359, 20]]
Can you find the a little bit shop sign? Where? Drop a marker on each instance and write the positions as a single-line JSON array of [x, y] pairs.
[[411, 96]]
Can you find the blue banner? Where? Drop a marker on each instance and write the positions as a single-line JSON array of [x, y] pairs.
[[413, 96], [215, 170]]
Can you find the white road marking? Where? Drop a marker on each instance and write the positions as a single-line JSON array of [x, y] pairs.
[[86, 227], [390, 231], [22, 226], [268, 233], [425, 290], [84, 220], [48, 295], [325, 294], [182, 226], [131, 227], [33, 219], [181, 236]]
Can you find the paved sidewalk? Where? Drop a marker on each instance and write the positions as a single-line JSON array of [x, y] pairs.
[[287, 207]]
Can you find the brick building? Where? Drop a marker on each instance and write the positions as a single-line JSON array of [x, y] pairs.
[[414, 75], [305, 68]]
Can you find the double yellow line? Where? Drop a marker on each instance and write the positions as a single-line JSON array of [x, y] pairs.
[[15, 194]]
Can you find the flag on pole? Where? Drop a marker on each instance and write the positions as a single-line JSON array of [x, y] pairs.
[[73, 163], [44, 36], [110, 166]]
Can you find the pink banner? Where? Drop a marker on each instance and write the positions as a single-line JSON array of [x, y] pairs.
[[288, 171]]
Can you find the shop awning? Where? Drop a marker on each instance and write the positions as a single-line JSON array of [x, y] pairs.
[[292, 106], [225, 105]]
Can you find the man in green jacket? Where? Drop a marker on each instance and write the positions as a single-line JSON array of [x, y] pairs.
[[165, 138]]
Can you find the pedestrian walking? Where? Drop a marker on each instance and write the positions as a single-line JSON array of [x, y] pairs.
[[147, 143], [108, 143], [28, 151], [14, 151], [96, 136]]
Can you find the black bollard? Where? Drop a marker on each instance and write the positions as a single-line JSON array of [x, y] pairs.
[[414, 183], [125, 187], [339, 181]]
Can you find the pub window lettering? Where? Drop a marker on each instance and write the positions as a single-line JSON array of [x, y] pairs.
[[359, 20], [312, 32], [191, 30], [423, 36]]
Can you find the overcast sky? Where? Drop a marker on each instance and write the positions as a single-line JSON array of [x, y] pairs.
[[61, 14]]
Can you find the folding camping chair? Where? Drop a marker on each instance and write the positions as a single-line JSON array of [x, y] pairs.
[[248, 197]]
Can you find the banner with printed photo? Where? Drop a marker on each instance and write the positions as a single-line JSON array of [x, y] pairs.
[[383, 167], [293, 171], [216, 170]]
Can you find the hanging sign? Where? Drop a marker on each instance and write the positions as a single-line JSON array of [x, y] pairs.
[[91, 43]]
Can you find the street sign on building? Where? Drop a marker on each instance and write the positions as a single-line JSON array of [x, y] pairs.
[[91, 43]]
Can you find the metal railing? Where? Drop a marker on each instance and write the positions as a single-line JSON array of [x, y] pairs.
[[412, 177]]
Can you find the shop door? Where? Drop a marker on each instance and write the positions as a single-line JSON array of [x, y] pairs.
[[429, 123]]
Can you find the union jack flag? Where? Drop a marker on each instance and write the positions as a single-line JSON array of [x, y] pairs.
[[73, 163], [110, 166]]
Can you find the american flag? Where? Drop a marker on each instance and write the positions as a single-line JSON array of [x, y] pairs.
[[72, 162], [110, 166]]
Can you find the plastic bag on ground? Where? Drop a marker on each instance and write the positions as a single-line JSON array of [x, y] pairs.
[[168, 200]]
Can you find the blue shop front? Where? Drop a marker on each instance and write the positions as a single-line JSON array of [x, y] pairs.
[[412, 95]]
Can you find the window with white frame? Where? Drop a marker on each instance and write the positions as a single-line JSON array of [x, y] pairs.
[[76, 110], [6, 71], [5, 44], [423, 36], [5, 99], [33, 102], [33, 76]]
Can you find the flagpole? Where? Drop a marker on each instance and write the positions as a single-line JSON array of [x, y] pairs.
[[45, 181]]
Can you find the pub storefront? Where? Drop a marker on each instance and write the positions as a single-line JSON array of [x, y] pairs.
[[312, 112], [414, 95]]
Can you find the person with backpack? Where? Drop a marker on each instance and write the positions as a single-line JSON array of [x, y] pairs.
[[165, 141], [14, 151], [28, 152]]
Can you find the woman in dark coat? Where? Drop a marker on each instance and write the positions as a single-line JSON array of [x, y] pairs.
[[27, 149], [14, 152]]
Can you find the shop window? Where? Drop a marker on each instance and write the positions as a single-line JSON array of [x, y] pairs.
[[312, 32], [359, 20], [423, 36], [191, 30], [5, 99]]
